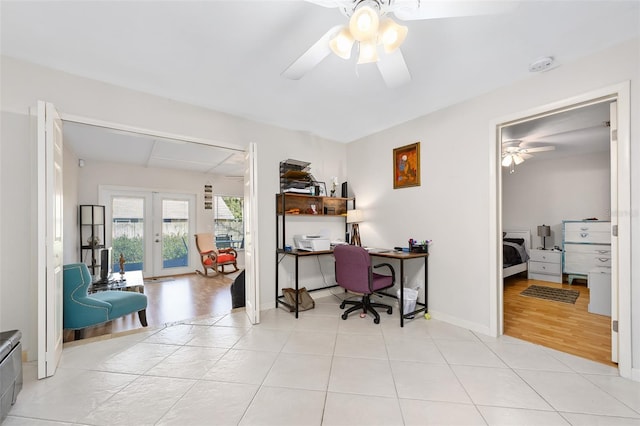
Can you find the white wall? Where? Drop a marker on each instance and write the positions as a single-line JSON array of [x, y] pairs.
[[23, 84], [452, 204], [548, 192]]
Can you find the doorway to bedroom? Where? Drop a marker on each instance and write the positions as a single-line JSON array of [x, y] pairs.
[[560, 170]]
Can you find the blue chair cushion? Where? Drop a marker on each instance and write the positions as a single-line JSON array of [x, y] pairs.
[[122, 302]]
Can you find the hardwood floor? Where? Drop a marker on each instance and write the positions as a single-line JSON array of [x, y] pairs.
[[563, 326], [173, 299]]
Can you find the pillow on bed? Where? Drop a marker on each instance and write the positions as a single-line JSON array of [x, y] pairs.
[[519, 241]]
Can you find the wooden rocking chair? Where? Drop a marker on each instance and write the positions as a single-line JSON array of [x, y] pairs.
[[212, 257]]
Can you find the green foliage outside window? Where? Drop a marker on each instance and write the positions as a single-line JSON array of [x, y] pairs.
[[174, 246], [131, 248], [235, 206]]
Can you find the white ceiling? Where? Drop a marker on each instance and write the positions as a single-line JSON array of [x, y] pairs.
[[115, 146], [228, 55]]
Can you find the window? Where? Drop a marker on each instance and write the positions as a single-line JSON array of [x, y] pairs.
[[228, 223]]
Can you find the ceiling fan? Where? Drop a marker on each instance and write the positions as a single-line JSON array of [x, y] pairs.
[[370, 27], [514, 152]]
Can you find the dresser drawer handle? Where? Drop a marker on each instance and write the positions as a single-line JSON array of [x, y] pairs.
[[604, 251], [584, 228], [584, 234], [603, 259]]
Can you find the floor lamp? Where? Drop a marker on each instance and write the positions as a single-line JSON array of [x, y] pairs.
[[354, 217]]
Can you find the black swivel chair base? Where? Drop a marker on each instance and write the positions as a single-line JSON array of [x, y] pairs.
[[366, 305]]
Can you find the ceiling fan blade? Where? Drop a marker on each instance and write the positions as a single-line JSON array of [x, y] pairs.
[[312, 57], [511, 143], [394, 69], [328, 3], [539, 149], [410, 10]]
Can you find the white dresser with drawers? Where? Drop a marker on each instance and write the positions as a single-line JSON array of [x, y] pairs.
[[586, 245]]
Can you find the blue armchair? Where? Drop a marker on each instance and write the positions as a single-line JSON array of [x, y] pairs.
[[81, 309]]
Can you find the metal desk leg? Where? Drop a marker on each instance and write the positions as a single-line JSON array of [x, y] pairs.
[[426, 285], [296, 294], [277, 282], [401, 301]]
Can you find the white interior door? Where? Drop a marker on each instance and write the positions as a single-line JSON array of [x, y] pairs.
[[613, 118], [252, 286], [50, 243]]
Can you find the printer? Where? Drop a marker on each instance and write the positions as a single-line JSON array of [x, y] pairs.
[[311, 242]]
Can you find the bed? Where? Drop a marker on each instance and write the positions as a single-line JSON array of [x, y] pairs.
[[515, 252]]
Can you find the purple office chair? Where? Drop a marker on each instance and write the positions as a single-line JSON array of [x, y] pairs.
[[354, 273]]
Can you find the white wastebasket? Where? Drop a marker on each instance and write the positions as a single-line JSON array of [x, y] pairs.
[[410, 299]]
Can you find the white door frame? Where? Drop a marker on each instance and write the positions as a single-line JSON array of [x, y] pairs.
[[620, 93]]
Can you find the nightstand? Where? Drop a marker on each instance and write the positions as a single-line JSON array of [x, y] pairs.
[[545, 265]]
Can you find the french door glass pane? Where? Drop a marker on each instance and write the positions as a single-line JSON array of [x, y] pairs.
[[175, 233], [128, 232]]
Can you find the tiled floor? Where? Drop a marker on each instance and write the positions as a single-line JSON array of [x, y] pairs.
[[322, 370]]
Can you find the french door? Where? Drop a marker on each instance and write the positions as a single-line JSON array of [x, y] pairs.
[[151, 230]]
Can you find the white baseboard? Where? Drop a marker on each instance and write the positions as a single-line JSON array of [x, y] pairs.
[[479, 328]]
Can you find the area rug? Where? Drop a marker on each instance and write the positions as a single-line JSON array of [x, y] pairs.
[[551, 293]]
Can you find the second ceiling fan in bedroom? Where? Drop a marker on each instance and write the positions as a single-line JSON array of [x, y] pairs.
[[376, 37], [514, 152]]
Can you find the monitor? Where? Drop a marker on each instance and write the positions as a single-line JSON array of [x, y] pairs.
[[106, 262]]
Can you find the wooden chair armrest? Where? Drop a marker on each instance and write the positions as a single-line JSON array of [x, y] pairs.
[[229, 250]]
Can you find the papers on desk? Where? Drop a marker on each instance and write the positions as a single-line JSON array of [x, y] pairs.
[[377, 250]]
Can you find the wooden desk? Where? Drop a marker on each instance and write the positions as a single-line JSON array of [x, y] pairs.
[[297, 254], [402, 256]]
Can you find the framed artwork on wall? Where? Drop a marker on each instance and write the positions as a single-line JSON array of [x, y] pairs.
[[406, 166]]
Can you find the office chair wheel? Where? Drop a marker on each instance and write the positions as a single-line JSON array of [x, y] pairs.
[[344, 316], [376, 320], [390, 311], [342, 305]]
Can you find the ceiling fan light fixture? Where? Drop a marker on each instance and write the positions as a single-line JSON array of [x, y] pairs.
[[364, 23], [507, 160], [368, 52], [392, 35], [517, 159], [342, 43]]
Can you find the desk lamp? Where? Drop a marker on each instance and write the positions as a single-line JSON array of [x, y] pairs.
[[544, 231], [354, 217]]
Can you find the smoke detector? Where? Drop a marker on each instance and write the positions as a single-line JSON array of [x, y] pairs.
[[541, 64]]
